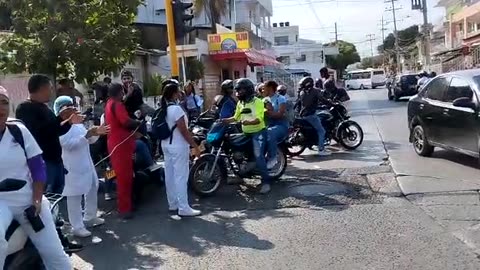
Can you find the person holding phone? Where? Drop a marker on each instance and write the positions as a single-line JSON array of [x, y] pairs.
[[21, 159]]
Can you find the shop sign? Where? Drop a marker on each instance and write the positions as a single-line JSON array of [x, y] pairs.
[[228, 42]]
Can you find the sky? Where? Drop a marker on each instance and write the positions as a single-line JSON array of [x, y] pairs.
[[355, 19]]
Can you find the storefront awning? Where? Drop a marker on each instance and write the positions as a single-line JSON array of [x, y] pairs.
[[252, 56]]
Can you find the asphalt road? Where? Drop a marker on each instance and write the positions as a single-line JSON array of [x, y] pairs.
[[340, 212]]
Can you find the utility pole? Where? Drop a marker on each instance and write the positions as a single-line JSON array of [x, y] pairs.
[[395, 34], [336, 33], [426, 35], [383, 29], [371, 38]]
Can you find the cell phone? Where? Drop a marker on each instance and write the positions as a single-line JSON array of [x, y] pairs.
[[35, 221]]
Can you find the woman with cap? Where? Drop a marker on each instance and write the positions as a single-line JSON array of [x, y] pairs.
[[81, 182], [21, 159]]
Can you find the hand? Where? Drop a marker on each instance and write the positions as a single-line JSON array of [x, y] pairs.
[[196, 152], [102, 130], [76, 118], [130, 88], [38, 206]]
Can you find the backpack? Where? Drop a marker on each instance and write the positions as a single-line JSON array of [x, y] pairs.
[[16, 133], [160, 128]]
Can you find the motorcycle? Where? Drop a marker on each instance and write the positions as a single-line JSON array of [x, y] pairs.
[[21, 254], [230, 150], [338, 127]]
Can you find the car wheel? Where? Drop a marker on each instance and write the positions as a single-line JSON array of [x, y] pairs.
[[420, 142], [390, 97]]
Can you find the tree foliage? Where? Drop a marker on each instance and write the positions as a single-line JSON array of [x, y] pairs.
[[347, 55], [372, 62], [153, 85], [75, 38], [406, 37], [214, 9]]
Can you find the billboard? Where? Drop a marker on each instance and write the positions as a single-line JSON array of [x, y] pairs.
[[228, 42]]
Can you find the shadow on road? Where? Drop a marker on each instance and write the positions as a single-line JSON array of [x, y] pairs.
[[458, 158]]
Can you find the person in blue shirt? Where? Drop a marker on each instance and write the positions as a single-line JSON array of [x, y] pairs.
[[193, 102], [276, 108], [226, 106]]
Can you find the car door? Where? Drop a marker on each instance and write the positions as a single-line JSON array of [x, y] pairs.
[[459, 127], [431, 107]]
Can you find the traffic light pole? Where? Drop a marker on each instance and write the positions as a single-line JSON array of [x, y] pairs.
[[171, 39]]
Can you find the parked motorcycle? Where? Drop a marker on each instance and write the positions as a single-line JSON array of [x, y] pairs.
[[337, 126], [21, 254], [233, 150]]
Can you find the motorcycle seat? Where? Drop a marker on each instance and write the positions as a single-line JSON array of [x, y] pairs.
[[239, 138]]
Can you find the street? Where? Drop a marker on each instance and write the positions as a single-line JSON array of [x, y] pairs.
[[379, 207]]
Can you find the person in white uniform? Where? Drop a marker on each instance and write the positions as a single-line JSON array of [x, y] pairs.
[[177, 153], [81, 180], [26, 163]]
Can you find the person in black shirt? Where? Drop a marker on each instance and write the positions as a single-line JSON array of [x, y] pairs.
[[307, 104], [133, 99], [46, 128]]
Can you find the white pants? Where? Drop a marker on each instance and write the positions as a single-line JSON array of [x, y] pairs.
[[176, 176], [46, 241], [74, 208]]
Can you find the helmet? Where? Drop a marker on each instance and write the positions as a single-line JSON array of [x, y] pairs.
[[227, 87], [245, 89], [306, 83], [126, 73], [282, 90]]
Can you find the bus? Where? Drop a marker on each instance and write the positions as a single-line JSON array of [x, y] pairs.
[[365, 78]]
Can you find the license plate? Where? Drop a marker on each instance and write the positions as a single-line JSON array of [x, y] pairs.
[[110, 174]]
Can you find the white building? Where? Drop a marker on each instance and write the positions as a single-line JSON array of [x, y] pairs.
[[296, 53]]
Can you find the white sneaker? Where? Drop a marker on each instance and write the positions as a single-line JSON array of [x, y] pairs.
[[272, 163], [94, 222], [82, 233], [265, 189], [189, 213], [324, 153]]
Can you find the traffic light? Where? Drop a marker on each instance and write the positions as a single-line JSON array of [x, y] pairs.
[[181, 18]]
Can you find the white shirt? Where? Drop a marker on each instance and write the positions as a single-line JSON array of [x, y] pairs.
[[175, 112], [13, 164]]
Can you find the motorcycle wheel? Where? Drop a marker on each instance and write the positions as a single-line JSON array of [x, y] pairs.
[[199, 179], [276, 172], [351, 136], [294, 150]]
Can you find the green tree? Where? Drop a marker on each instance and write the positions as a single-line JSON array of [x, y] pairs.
[[347, 55], [214, 9], [406, 38], [372, 62], [153, 85], [76, 38]]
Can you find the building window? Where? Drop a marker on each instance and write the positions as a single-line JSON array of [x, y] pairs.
[[281, 40], [284, 60], [302, 58]]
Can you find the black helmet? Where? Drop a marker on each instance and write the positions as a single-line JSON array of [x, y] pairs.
[[245, 89], [169, 81], [126, 73], [227, 87], [306, 83]]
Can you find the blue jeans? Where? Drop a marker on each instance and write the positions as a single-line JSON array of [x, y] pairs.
[[259, 140], [316, 123], [276, 134], [55, 177], [143, 156]]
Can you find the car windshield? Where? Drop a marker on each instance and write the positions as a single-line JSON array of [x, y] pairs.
[[409, 79]]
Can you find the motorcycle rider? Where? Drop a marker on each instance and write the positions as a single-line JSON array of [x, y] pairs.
[[290, 114], [26, 163], [226, 106], [276, 118], [250, 111], [424, 78], [308, 101]]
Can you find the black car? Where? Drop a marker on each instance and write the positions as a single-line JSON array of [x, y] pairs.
[[446, 114], [404, 85]]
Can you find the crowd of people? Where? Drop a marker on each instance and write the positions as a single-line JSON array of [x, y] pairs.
[[56, 154]]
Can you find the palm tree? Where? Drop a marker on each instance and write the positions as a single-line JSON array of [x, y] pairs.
[[214, 9]]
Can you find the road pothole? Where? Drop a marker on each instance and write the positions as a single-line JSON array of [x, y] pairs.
[[320, 188]]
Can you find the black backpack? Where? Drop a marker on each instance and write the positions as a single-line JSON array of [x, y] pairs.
[[160, 128], [16, 133]]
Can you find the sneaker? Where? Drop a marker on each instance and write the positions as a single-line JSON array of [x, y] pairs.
[[82, 233], [324, 153], [189, 213], [94, 222], [272, 163], [265, 189], [72, 247]]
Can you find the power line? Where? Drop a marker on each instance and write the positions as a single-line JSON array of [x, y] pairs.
[[371, 38]]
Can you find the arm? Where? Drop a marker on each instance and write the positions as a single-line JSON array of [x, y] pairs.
[[74, 138], [122, 116], [282, 101], [236, 116], [62, 126]]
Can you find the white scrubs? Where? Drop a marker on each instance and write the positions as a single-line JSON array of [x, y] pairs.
[[177, 156], [13, 164], [82, 179]]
